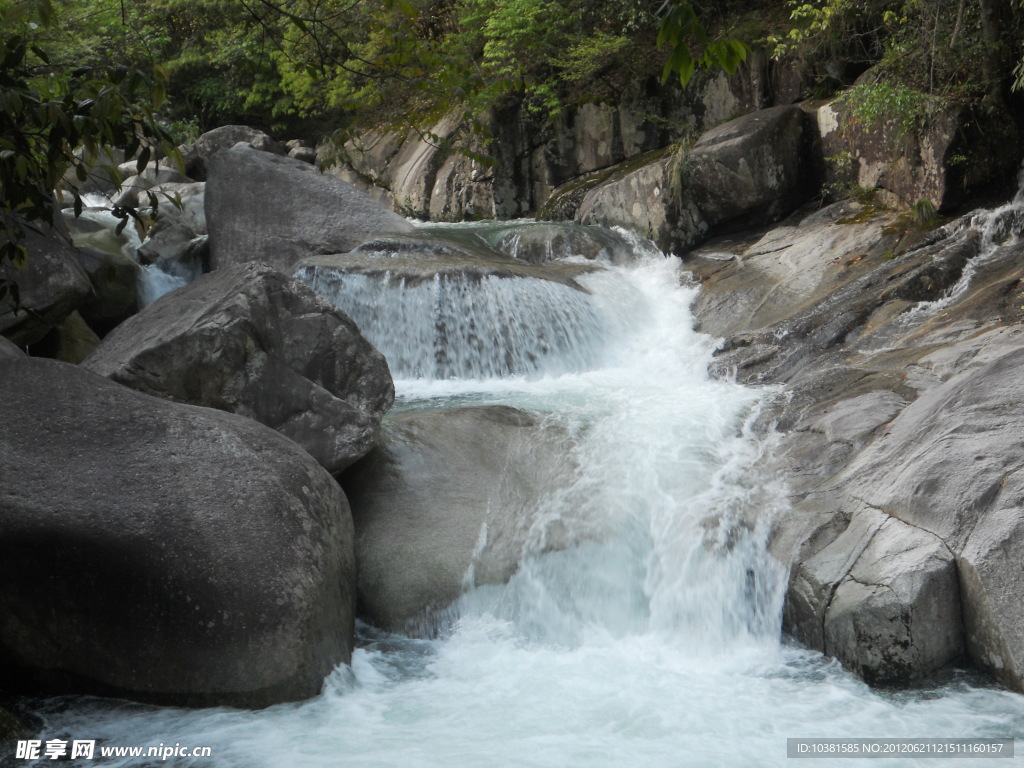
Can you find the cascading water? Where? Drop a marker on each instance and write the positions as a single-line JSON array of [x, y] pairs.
[[653, 640], [103, 235], [456, 326]]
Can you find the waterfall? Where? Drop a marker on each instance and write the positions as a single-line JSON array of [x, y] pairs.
[[457, 326], [652, 638]]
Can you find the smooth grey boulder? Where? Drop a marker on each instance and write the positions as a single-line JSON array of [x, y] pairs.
[[640, 199], [252, 341], [267, 208], [163, 552], [448, 502], [51, 286], [222, 138], [750, 167]]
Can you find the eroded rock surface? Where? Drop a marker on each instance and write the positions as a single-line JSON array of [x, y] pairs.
[[51, 287], [751, 167]]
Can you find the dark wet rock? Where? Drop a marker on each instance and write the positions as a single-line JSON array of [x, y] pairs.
[[252, 341], [115, 294], [448, 502], [71, 341], [267, 208], [51, 287], [9, 350], [162, 552]]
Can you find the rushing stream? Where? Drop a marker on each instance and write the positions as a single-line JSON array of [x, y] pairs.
[[655, 641]]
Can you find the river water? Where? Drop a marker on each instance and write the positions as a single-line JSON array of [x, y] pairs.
[[655, 641]]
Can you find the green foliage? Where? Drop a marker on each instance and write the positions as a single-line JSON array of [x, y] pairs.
[[680, 29], [924, 215], [947, 48], [54, 122], [871, 104]]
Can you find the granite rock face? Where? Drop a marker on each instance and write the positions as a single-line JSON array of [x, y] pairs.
[[750, 169], [223, 138], [901, 353], [163, 552]]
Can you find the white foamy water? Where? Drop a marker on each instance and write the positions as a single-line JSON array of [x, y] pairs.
[[655, 641]]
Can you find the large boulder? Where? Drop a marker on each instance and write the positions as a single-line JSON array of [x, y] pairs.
[[882, 598], [264, 207], [222, 138], [640, 199], [51, 287], [952, 465], [448, 502], [750, 167], [252, 341], [885, 142], [163, 552], [746, 171]]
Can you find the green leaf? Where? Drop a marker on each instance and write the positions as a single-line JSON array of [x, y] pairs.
[[299, 23], [20, 257], [143, 160]]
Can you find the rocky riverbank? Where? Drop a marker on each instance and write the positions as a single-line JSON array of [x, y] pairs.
[[898, 351]]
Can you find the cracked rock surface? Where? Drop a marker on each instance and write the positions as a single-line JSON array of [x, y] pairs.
[[902, 356]]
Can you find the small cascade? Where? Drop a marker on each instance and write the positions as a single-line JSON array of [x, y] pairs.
[[997, 227], [471, 327], [96, 228]]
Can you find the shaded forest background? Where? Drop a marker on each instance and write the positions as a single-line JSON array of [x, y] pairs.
[[305, 68]]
